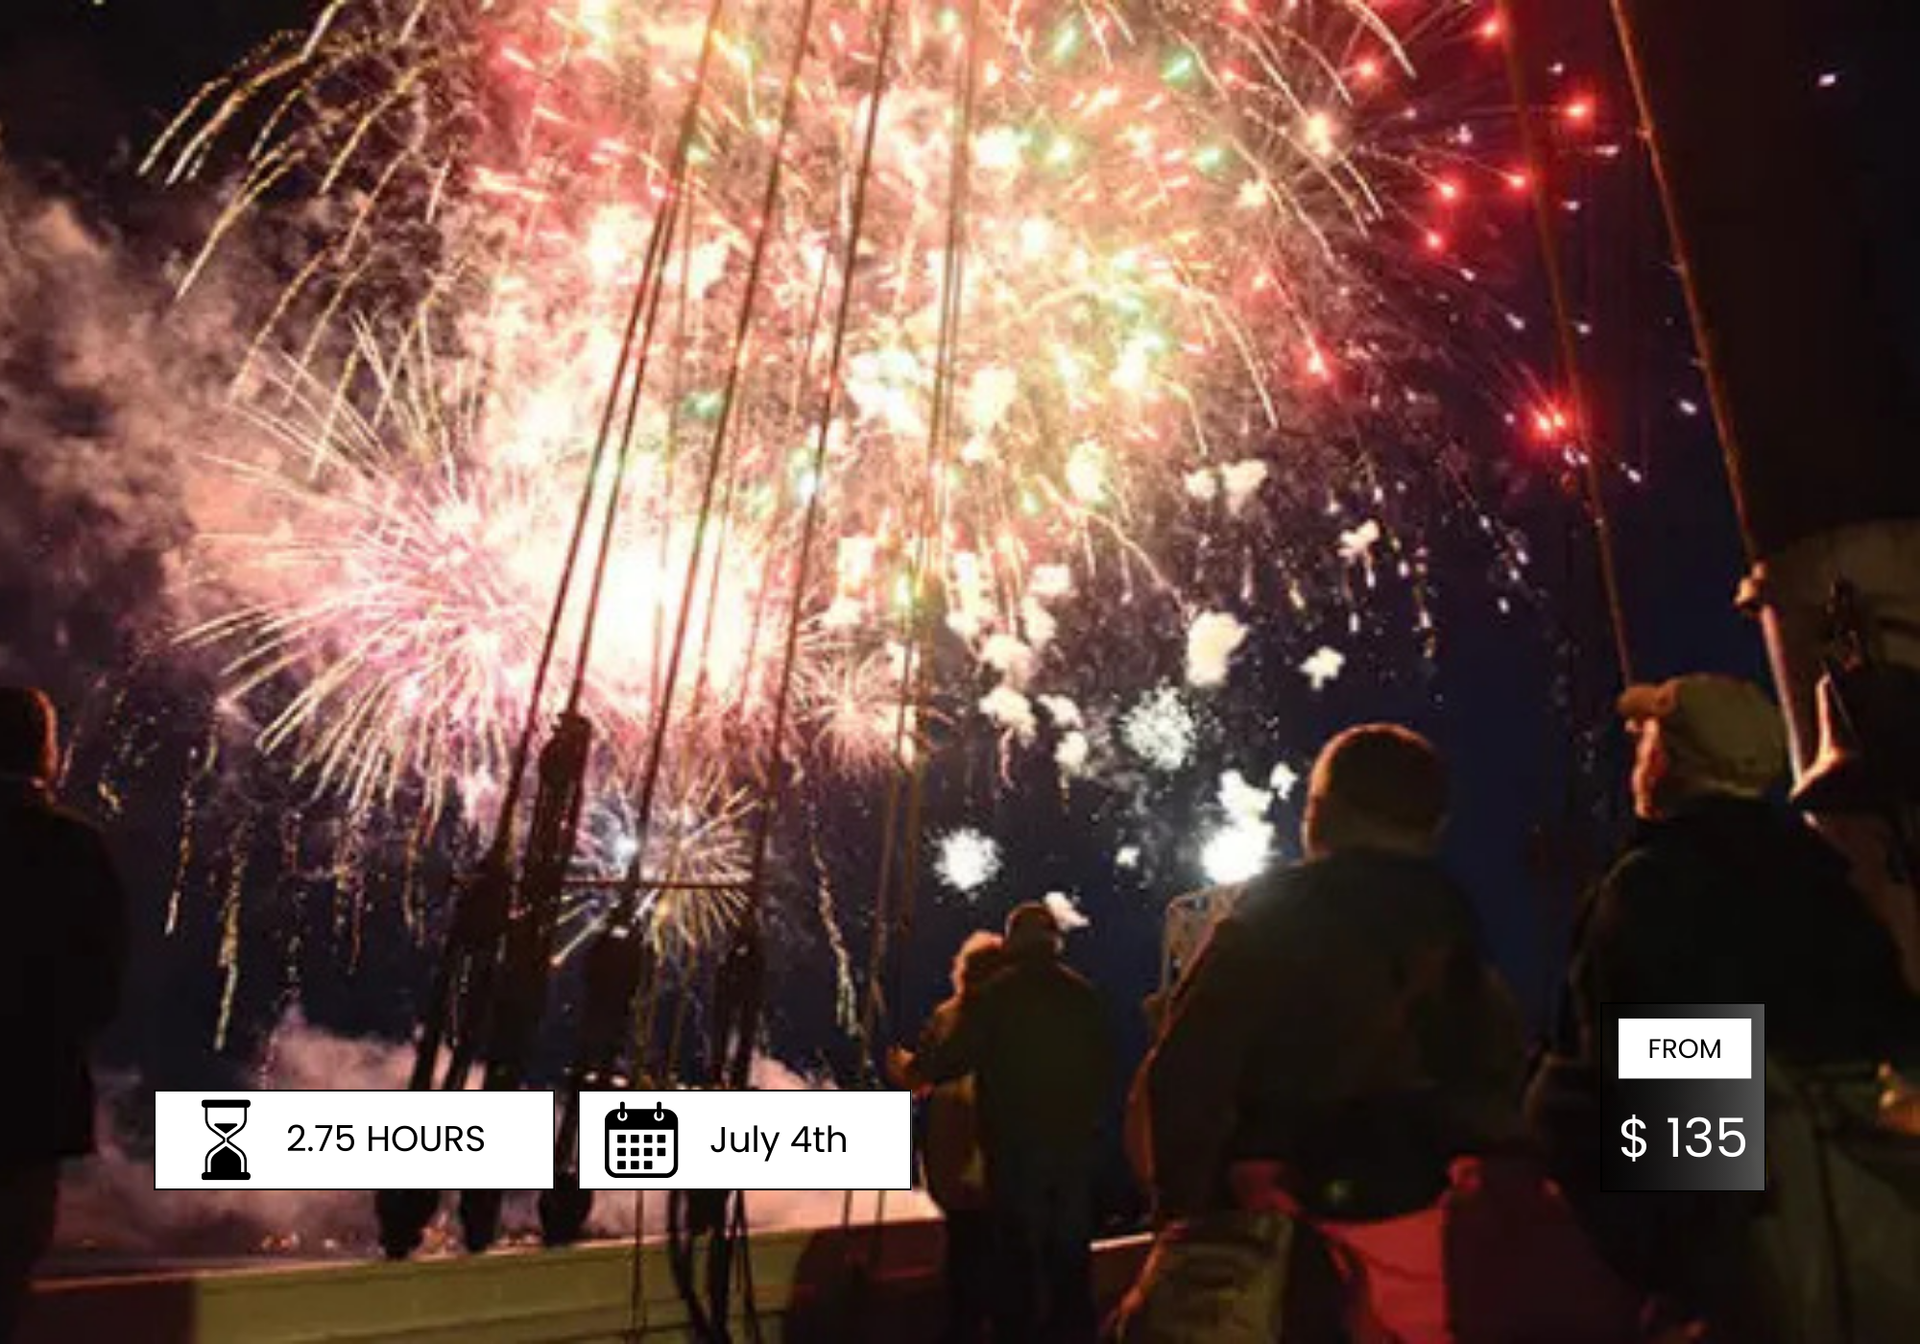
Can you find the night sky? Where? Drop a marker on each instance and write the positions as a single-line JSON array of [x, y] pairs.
[[1518, 702]]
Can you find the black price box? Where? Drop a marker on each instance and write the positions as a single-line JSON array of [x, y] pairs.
[[1685, 1091]]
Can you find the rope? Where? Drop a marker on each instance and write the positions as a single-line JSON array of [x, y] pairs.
[[811, 515], [637, 1282], [662, 225], [670, 467], [640, 319], [729, 397], [914, 678], [449, 975], [656, 750], [1538, 163], [751, 933], [653, 286]]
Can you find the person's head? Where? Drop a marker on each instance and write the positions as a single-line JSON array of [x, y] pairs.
[[979, 957], [1699, 736], [29, 746], [1033, 931], [1378, 786]]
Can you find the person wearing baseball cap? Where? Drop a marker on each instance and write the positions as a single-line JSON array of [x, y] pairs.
[[1722, 895], [1700, 736]]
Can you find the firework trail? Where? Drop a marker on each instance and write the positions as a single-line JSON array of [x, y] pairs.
[[1117, 278]]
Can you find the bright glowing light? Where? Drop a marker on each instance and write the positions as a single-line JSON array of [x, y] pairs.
[[967, 860], [1241, 481], [1087, 473], [1321, 133], [1316, 363], [1012, 712], [1238, 852], [1551, 423]]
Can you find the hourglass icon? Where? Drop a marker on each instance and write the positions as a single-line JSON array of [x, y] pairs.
[[225, 1161]]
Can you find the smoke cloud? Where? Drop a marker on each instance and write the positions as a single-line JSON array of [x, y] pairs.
[[94, 408], [126, 453]]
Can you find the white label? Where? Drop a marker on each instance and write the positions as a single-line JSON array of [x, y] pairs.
[[352, 1140], [669, 1140], [1686, 1047]]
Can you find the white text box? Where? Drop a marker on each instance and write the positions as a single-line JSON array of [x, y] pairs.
[[779, 1140], [1686, 1047], [319, 1140]]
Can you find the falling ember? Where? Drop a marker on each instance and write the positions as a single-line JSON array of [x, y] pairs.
[[1578, 111], [1283, 780], [1066, 911], [1323, 667], [230, 905]]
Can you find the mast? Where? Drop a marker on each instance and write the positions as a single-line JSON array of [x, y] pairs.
[[1758, 114]]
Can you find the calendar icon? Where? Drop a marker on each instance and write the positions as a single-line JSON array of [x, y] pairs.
[[642, 1143]]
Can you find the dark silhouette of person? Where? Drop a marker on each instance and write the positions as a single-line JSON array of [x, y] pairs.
[[1342, 1013], [1341, 1052], [1721, 896], [955, 1162], [60, 970], [1035, 1039]]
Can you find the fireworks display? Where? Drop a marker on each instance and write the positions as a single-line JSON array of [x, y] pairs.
[[1009, 303]]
